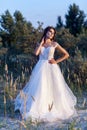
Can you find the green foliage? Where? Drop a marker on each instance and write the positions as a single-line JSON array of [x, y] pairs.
[[77, 72], [1, 42], [75, 19], [82, 44], [7, 22], [59, 23], [71, 126], [18, 34], [85, 27], [67, 40]]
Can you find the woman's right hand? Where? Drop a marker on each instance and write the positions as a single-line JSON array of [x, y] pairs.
[[38, 48], [42, 41]]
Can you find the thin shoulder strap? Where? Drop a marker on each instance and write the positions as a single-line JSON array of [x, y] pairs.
[[56, 44]]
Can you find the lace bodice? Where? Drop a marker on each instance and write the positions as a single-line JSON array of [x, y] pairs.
[[47, 53]]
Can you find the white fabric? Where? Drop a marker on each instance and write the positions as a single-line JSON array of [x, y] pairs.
[[46, 96]]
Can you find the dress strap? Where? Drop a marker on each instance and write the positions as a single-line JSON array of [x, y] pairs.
[[56, 44]]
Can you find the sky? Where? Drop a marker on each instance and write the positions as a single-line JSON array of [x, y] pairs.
[[46, 11]]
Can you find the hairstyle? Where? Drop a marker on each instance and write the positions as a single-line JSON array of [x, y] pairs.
[[46, 30]]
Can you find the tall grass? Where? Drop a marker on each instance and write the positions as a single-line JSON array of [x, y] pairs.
[[12, 85]]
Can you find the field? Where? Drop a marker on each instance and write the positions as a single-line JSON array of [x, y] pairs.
[[11, 82]]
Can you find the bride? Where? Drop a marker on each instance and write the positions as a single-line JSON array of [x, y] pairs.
[[47, 96]]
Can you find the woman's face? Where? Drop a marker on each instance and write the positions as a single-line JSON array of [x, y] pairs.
[[50, 34]]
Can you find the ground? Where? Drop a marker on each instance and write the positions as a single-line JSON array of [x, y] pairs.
[[77, 123]]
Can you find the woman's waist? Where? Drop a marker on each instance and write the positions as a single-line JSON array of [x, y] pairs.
[[45, 58]]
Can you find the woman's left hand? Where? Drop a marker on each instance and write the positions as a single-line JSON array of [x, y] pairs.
[[52, 61]]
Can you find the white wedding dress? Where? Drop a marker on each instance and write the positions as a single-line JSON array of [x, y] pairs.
[[46, 96]]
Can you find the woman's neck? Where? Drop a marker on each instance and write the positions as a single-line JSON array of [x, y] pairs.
[[47, 41]]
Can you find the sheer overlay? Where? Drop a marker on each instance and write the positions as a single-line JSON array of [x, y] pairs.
[[46, 96]]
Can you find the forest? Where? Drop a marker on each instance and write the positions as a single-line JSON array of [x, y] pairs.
[[18, 39]]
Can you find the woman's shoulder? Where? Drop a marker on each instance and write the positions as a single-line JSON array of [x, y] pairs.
[[55, 44]]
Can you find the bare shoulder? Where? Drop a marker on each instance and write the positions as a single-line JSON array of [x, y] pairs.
[[55, 44]]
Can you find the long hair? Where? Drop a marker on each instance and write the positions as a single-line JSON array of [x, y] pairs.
[[45, 32]]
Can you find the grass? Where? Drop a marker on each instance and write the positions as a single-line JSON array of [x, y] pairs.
[[10, 87]]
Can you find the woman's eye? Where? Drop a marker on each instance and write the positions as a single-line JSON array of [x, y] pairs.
[[51, 32]]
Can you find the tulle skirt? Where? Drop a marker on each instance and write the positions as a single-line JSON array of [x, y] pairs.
[[46, 96]]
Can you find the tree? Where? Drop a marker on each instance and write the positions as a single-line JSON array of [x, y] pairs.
[[18, 16], [7, 24], [67, 40], [59, 23], [85, 26], [0, 42], [75, 19], [82, 45], [14, 29]]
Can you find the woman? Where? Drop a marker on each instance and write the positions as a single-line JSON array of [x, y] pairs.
[[47, 96]]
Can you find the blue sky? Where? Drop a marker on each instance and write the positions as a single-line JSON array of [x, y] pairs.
[[45, 11]]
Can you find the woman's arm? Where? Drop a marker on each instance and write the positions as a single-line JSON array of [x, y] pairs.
[[38, 49], [63, 51]]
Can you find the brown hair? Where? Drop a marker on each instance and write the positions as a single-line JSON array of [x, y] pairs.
[[46, 30]]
